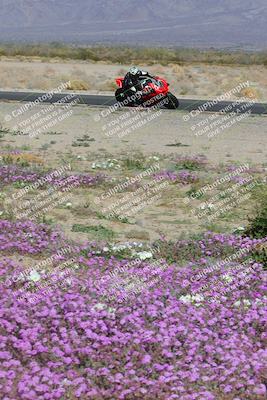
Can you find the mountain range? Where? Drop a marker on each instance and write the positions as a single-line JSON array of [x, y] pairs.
[[188, 23]]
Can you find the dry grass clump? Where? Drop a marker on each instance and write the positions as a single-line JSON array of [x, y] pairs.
[[178, 70], [11, 158], [250, 93], [109, 85], [77, 84]]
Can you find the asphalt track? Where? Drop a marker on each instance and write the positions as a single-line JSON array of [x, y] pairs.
[[99, 100]]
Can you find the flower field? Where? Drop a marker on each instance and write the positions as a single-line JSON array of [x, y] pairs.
[[85, 316], [79, 343]]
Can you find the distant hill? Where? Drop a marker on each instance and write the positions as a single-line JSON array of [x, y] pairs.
[[190, 23]]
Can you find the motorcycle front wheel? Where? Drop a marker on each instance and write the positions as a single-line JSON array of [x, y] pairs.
[[173, 102], [124, 97], [119, 94]]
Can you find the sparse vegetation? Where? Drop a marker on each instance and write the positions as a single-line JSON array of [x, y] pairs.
[[123, 54], [177, 144], [22, 159], [133, 163], [99, 231], [78, 85], [3, 131], [258, 223], [83, 141], [190, 162]]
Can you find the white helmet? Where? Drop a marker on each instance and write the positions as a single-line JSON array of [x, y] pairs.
[[134, 70]]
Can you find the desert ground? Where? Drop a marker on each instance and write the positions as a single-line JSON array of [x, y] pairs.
[[88, 142], [197, 80]]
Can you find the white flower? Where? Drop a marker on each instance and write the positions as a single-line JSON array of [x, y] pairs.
[[100, 306], [210, 205], [105, 249], [197, 298], [81, 158], [119, 247], [143, 255], [186, 299], [227, 278], [34, 276], [153, 158], [66, 382], [259, 302], [245, 302], [68, 205], [240, 229]]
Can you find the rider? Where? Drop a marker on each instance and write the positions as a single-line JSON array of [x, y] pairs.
[[133, 77]]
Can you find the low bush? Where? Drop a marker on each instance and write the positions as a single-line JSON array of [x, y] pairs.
[[257, 227]]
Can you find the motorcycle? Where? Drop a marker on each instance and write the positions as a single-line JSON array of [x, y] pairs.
[[148, 92]]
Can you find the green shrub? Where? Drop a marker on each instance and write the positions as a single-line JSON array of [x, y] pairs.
[[260, 255], [98, 231], [257, 227]]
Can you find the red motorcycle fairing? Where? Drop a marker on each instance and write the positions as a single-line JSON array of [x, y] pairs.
[[156, 88], [159, 85]]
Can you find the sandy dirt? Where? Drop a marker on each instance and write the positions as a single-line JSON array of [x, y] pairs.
[[198, 80], [241, 141]]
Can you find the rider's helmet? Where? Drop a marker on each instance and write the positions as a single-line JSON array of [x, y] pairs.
[[134, 70]]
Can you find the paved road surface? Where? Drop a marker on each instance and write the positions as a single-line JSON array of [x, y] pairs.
[[99, 100]]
